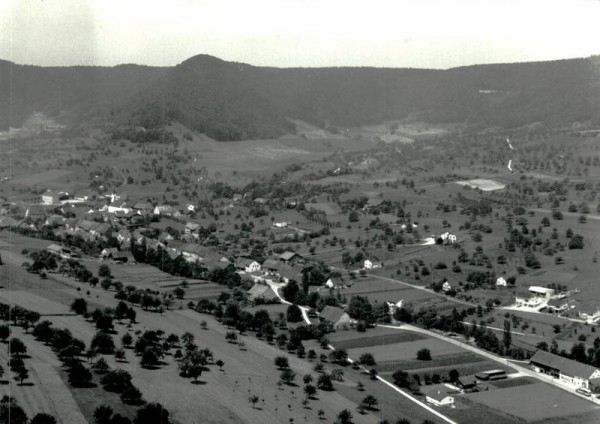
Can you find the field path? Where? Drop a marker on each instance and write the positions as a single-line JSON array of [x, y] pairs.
[[275, 287]]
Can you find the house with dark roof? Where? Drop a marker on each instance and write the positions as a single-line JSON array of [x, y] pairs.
[[114, 255], [335, 282], [467, 383], [290, 258], [568, 371], [7, 222], [271, 265], [337, 317]]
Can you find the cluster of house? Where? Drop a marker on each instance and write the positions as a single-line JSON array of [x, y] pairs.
[[280, 269], [568, 372], [445, 238], [568, 304], [443, 394]]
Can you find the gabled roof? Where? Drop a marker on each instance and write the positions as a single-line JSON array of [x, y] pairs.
[[337, 281], [260, 290], [332, 314], [143, 206], [272, 264], [437, 392], [286, 256], [243, 262], [564, 365]]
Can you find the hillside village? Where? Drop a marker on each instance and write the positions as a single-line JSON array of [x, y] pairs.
[[344, 245]]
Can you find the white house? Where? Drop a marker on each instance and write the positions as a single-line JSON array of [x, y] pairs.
[[542, 291], [368, 264], [500, 282], [446, 286], [438, 395], [280, 224], [50, 197], [114, 209], [567, 371], [335, 282], [393, 306], [448, 238], [247, 265]]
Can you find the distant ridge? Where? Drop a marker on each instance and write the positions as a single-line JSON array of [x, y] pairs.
[[236, 101]]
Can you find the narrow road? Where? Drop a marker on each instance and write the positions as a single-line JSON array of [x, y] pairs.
[[275, 287]]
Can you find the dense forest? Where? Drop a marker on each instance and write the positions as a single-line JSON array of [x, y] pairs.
[[233, 101]]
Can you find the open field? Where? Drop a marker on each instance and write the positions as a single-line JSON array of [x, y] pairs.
[[41, 177], [406, 350], [536, 402], [29, 300], [438, 361], [368, 339]]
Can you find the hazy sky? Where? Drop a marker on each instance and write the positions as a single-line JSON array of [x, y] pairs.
[[394, 33]]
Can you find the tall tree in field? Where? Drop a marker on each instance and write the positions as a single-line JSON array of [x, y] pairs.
[[507, 336]]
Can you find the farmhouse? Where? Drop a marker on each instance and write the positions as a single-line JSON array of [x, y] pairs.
[[368, 264], [280, 224], [59, 251], [263, 292], [335, 316], [566, 370], [438, 395], [271, 265], [335, 282], [247, 265], [290, 258], [467, 383], [114, 255], [448, 238], [500, 282], [446, 286], [50, 197]]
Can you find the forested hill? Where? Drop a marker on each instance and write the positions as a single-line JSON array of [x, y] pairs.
[[233, 101]]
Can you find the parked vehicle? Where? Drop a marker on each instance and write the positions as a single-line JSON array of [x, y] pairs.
[[583, 391]]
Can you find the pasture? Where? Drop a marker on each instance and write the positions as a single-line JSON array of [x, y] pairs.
[[29, 300], [407, 350], [44, 177]]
